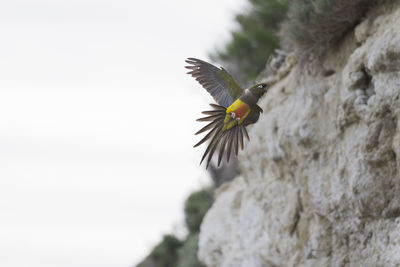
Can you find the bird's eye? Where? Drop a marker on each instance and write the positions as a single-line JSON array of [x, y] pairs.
[[260, 86]]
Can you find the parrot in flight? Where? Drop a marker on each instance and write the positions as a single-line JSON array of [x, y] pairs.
[[236, 109]]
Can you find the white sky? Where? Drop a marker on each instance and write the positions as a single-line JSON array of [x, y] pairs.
[[97, 119]]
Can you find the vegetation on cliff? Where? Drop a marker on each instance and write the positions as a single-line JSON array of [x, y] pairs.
[[306, 26], [171, 251], [255, 39], [314, 26]]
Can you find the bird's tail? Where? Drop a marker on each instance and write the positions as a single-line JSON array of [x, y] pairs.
[[225, 140]]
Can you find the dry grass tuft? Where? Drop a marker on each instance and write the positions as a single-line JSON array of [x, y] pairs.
[[313, 26]]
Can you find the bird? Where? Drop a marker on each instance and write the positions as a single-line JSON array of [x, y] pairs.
[[235, 109]]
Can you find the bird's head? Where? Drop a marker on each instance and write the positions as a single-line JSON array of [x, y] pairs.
[[259, 89]]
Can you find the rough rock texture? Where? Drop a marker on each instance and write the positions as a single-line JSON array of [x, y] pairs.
[[320, 182]]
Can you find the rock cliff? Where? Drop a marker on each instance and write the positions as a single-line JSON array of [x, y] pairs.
[[320, 183]]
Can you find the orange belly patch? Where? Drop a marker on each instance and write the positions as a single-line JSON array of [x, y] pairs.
[[241, 111]]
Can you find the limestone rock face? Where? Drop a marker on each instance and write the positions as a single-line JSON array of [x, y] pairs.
[[320, 183]]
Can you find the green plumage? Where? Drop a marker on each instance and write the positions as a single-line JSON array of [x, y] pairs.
[[225, 90]]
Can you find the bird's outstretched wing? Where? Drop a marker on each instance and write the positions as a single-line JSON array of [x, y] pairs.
[[217, 81]]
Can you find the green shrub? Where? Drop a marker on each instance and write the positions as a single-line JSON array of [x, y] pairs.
[[196, 206], [165, 254], [171, 251], [254, 41], [188, 253]]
